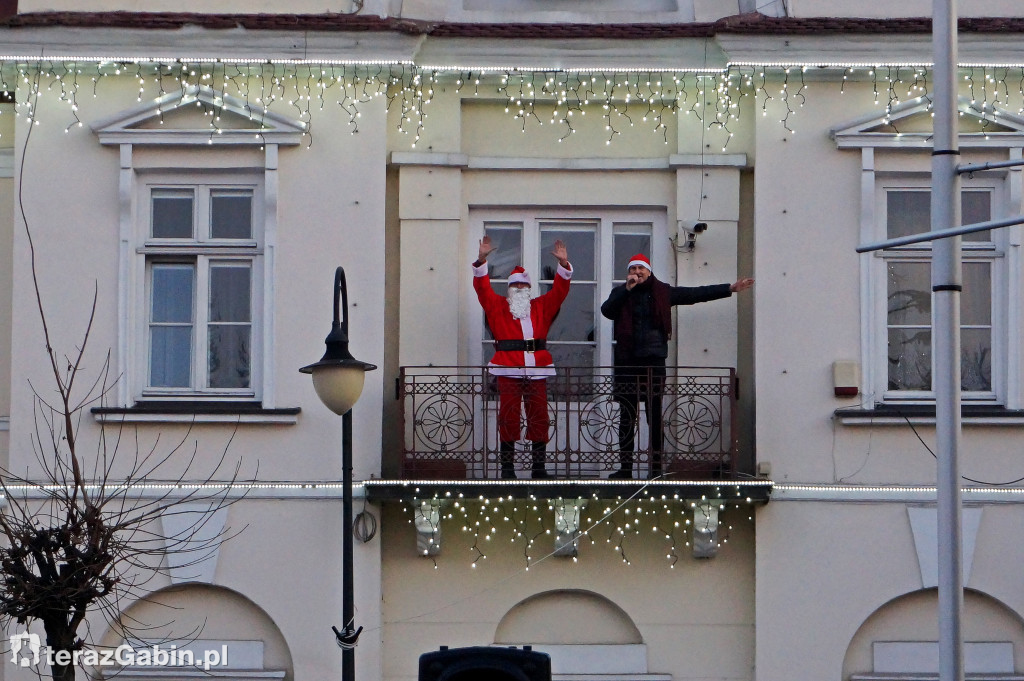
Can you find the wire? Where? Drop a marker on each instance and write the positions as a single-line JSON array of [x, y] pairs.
[[934, 456]]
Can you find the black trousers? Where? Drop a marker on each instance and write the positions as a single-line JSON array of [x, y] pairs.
[[643, 380]]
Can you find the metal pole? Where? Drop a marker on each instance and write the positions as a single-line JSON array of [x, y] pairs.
[[967, 168], [348, 655], [946, 286], [941, 234]]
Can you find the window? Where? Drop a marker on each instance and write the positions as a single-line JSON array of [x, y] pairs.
[[907, 333], [202, 253], [599, 246]]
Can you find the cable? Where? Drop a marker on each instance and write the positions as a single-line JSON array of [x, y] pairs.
[[934, 456]]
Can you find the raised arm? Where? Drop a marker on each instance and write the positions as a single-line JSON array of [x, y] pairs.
[[486, 248], [481, 279], [552, 300], [562, 253]]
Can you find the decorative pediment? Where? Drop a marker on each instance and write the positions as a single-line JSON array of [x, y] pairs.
[[909, 125], [199, 115]]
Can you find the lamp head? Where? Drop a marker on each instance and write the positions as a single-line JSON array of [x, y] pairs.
[[338, 377]]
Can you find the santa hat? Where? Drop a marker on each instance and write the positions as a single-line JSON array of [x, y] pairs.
[[519, 276], [640, 259]]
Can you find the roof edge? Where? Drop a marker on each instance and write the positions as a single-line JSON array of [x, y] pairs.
[[751, 23]]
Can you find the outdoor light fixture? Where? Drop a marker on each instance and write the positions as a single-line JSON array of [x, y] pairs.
[[338, 380], [338, 376]]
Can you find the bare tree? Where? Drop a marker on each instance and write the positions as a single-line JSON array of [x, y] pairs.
[[83, 533]]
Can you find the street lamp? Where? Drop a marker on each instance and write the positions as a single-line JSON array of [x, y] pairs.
[[338, 380]]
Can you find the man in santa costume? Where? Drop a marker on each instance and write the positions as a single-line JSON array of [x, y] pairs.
[[521, 361]]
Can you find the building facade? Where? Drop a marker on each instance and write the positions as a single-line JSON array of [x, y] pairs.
[[190, 177]]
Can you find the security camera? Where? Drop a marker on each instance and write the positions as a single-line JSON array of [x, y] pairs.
[[686, 233]]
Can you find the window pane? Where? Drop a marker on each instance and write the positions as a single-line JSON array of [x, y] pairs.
[[907, 212], [575, 320], [975, 207], [229, 355], [626, 246], [230, 215], [170, 356], [172, 213], [572, 355], [909, 293], [580, 245], [976, 299], [976, 359], [230, 287], [172, 294], [910, 359], [508, 240]]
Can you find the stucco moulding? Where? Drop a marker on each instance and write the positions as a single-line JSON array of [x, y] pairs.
[[1008, 128], [123, 127], [866, 49], [673, 54], [198, 43]]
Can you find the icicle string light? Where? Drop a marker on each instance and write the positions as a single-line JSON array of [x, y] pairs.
[[616, 523], [621, 99]]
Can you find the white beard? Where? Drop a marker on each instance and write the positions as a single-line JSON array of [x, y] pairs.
[[519, 302]]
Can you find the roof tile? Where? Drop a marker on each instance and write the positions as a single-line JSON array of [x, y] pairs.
[[751, 23]]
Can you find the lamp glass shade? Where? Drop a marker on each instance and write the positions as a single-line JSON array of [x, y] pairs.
[[339, 386]]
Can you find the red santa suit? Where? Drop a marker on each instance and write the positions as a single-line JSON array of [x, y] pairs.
[[521, 372]]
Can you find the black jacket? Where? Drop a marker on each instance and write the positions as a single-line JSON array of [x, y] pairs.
[[639, 328]]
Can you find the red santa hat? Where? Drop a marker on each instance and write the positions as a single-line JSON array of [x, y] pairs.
[[519, 276], [640, 259]]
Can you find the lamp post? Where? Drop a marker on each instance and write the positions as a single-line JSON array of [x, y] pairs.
[[338, 380]]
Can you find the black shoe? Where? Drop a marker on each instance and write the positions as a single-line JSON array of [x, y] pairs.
[[508, 474], [538, 459], [622, 474], [655, 474]]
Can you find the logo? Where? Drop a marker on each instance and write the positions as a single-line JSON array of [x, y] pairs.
[[25, 649]]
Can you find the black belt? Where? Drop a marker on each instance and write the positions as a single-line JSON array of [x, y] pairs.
[[531, 345]]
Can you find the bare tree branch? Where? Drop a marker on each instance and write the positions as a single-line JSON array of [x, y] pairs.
[[79, 536]]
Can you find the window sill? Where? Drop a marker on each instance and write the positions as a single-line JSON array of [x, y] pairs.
[[924, 415], [186, 411]]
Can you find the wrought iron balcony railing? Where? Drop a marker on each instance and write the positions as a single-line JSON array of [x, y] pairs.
[[449, 417]]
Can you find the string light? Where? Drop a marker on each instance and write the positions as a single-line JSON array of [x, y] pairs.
[[624, 98], [621, 524]]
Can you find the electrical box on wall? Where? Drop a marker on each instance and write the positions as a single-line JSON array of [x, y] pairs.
[[846, 378]]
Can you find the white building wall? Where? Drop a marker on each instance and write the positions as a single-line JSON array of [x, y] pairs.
[[694, 618], [286, 557], [825, 566]]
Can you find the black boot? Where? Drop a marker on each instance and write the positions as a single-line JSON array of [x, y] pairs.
[[507, 452], [656, 470], [538, 471]]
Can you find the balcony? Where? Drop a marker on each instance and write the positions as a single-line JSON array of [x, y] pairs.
[[449, 420]]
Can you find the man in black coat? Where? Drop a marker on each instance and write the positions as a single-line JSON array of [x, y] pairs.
[[642, 311]]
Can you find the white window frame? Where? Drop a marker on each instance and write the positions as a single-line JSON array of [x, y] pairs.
[[993, 252], [128, 130], [896, 151], [606, 223], [203, 251]]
